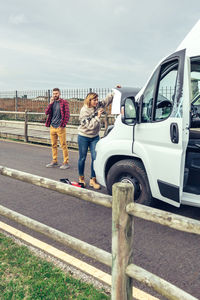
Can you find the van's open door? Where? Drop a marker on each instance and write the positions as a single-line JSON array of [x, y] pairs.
[[161, 137]]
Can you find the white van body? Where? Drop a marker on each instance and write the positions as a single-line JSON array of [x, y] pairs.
[[155, 141]]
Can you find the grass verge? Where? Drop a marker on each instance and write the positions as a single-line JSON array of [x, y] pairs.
[[25, 276]]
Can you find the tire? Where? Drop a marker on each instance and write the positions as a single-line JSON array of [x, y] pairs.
[[131, 171]]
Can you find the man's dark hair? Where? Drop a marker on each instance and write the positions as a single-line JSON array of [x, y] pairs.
[[56, 90]]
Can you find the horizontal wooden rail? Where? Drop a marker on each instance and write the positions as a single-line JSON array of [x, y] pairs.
[[27, 123], [42, 113], [160, 285], [54, 185], [164, 218], [12, 112], [76, 244], [28, 113]]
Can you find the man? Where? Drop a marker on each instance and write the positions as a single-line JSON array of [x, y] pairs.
[[58, 117]]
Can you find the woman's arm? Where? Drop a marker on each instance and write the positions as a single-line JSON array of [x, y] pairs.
[[90, 121], [107, 101], [109, 98]]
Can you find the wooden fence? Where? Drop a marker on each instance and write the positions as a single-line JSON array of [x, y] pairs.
[[74, 119], [123, 211]]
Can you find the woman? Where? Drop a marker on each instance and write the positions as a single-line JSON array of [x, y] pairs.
[[88, 133]]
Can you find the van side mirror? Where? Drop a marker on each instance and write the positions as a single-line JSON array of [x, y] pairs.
[[129, 111]]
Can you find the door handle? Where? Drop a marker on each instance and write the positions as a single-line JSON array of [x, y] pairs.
[[174, 133]]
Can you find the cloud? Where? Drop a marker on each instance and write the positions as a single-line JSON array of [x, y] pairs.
[[85, 43], [24, 48], [119, 10], [17, 19]]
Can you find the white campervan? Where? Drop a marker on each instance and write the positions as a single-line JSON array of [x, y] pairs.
[[155, 141]]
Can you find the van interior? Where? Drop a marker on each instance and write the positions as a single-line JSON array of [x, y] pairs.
[[192, 163]]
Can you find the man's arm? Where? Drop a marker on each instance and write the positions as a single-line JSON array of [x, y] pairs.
[[48, 109], [66, 114]]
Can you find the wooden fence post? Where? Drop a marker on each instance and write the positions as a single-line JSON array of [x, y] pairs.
[[26, 127], [122, 241]]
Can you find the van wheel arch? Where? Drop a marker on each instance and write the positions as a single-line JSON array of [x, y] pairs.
[[131, 171]]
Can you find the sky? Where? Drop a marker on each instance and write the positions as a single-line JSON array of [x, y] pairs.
[[88, 43]]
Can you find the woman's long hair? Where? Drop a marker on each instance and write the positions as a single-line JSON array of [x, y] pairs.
[[89, 98]]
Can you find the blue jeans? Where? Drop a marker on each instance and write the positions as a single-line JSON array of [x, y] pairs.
[[84, 143]]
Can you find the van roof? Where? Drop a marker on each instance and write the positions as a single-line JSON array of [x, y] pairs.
[[191, 41]]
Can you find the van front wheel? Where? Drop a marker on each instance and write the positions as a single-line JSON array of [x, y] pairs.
[[131, 171]]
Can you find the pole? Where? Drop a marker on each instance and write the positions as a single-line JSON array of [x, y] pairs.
[[26, 127], [49, 96], [122, 241], [16, 103]]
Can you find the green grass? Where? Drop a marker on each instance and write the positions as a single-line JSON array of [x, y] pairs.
[[25, 276]]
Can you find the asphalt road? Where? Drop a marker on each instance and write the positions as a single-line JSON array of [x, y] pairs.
[[170, 254]]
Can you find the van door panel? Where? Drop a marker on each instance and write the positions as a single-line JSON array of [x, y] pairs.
[[159, 138]]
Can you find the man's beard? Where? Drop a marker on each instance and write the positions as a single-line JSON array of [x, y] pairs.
[[56, 98]]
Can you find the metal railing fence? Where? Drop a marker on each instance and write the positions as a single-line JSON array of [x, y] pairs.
[[37, 100], [78, 93]]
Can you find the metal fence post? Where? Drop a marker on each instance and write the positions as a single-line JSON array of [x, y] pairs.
[[122, 241], [16, 103], [26, 126], [49, 96]]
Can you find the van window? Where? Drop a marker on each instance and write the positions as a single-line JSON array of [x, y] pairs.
[[147, 102], [195, 81], [166, 90]]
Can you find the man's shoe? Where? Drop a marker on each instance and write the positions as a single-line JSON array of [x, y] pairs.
[[52, 165], [64, 166]]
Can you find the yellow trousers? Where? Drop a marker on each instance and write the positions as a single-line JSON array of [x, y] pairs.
[[60, 133]]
